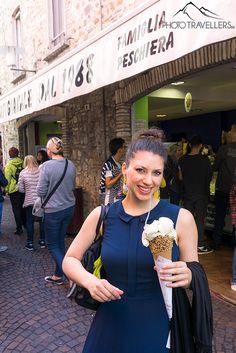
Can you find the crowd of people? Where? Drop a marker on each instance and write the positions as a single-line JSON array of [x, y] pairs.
[[24, 181], [142, 183]]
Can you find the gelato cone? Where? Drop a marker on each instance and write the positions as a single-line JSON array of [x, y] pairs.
[[161, 246], [159, 236]]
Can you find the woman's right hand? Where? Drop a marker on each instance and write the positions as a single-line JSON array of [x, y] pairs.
[[102, 290]]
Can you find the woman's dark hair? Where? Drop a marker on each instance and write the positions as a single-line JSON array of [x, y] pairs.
[[150, 140], [115, 144], [44, 156], [13, 152]]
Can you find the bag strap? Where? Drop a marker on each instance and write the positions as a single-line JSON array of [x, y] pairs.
[[56, 186], [102, 217]]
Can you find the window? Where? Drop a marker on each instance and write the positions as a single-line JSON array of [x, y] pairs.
[[17, 51], [57, 22]]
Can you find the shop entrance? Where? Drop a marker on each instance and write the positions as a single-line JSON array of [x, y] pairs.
[[201, 104], [36, 133]]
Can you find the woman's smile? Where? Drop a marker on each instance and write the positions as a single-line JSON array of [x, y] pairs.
[[144, 174]]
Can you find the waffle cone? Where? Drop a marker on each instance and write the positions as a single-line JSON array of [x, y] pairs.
[[161, 246]]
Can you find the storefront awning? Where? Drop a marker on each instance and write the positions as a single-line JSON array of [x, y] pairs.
[[156, 33]]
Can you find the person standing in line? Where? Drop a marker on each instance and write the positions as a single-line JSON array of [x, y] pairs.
[[60, 208], [42, 157], [27, 184], [132, 308], [12, 170], [225, 163], [1, 160], [176, 185], [110, 181], [196, 173], [233, 216], [3, 184]]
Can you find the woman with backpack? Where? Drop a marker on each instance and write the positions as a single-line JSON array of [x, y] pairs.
[[12, 170]]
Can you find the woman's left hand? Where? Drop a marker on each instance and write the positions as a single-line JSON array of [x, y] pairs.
[[176, 274]]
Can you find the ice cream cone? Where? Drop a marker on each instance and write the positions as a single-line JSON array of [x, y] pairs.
[[159, 236], [161, 246]]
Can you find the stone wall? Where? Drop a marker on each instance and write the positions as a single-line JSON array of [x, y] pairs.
[[10, 137], [90, 124], [83, 20]]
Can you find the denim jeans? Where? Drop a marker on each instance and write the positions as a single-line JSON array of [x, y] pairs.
[[56, 225], [30, 226]]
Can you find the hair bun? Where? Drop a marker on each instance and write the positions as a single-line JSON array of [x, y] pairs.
[[55, 145], [155, 133]]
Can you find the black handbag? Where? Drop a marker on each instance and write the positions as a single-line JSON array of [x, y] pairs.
[[80, 294]]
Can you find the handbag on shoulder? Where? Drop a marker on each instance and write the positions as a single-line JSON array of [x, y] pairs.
[[92, 263]]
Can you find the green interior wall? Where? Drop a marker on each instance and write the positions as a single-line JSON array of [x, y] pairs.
[[47, 130], [141, 110]]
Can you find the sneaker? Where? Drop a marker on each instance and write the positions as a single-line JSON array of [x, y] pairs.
[[29, 246], [42, 244], [233, 287], [3, 248], [49, 279], [204, 250]]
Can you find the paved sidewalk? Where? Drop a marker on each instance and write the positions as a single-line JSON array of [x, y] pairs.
[[36, 317]]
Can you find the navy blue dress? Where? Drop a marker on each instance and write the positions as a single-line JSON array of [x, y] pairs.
[[138, 322]]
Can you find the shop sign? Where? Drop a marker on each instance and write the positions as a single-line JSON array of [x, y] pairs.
[[158, 32]]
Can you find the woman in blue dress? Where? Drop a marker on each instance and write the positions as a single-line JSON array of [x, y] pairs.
[[132, 317]]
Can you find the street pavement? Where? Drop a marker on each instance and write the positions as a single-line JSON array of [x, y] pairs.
[[36, 317]]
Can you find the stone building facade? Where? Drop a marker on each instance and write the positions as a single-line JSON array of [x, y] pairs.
[[89, 121]]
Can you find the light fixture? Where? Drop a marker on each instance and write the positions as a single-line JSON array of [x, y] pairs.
[[188, 101], [22, 70], [177, 83], [161, 115]]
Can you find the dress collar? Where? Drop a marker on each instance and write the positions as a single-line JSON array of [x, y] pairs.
[[128, 218]]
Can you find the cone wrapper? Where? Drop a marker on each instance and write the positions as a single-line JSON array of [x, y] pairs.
[[161, 248], [166, 291]]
